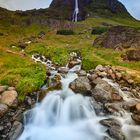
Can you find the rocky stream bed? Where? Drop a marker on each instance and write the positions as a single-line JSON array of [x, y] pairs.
[[113, 96]]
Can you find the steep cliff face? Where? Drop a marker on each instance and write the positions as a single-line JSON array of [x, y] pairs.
[[65, 8]]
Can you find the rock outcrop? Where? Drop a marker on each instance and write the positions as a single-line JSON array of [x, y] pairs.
[[119, 37]]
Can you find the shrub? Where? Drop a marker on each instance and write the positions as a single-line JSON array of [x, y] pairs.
[[65, 32], [99, 30]]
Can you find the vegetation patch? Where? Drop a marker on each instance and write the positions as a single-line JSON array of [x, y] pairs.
[[65, 32], [99, 30]]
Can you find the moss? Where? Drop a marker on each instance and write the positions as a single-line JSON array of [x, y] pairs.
[[65, 32], [99, 30]]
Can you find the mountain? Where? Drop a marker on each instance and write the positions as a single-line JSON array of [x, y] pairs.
[[65, 9]]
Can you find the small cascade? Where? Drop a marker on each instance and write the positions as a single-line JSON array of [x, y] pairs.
[[76, 11], [63, 115]]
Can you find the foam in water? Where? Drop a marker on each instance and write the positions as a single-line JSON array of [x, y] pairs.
[[76, 12], [63, 115]]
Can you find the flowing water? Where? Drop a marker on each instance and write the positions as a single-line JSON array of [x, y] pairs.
[[63, 115], [76, 12]]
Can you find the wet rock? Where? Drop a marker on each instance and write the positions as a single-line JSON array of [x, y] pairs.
[[28, 100], [82, 73], [63, 70], [81, 85], [111, 123], [3, 109], [73, 63], [103, 92], [116, 134], [55, 83], [138, 108], [3, 88], [8, 97], [136, 118], [16, 131]]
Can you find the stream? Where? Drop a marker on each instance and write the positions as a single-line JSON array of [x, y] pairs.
[[65, 115]]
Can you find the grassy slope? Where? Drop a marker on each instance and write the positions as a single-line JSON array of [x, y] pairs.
[[22, 72]]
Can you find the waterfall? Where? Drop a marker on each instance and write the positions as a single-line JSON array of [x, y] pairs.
[[63, 115], [76, 12]]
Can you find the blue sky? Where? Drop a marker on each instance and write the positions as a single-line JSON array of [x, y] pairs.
[[133, 6]]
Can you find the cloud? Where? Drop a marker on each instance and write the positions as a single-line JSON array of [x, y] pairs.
[[24, 4]]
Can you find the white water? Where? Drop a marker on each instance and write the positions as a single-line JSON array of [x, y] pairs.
[[63, 115], [76, 12]]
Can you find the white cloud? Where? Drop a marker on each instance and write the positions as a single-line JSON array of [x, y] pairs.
[[24, 4]]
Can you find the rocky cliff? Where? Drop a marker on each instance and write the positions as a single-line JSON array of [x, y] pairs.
[[65, 8]]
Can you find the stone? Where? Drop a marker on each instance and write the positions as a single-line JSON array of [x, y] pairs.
[[63, 70], [3, 88], [73, 63], [116, 134], [3, 109], [138, 108], [136, 118], [118, 75], [102, 74], [82, 73], [16, 130], [81, 85], [9, 97], [99, 68], [133, 55], [11, 88]]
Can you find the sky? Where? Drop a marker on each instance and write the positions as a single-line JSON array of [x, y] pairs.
[[133, 6]]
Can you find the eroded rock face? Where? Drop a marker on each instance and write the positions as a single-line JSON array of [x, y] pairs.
[[120, 37]]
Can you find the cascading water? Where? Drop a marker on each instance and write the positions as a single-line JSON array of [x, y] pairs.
[[76, 12], [63, 115]]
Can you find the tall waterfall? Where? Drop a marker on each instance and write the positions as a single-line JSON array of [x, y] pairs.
[[76, 12], [63, 115]]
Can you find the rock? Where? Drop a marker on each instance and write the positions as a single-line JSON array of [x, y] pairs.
[[99, 68], [133, 55], [16, 131], [55, 83], [3, 109], [81, 85], [82, 73], [22, 45], [9, 97], [118, 76], [136, 118], [3, 88], [28, 100], [11, 88], [111, 123], [73, 63], [102, 74], [138, 108], [93, 77], [122, 36], [116, 134], [63, 70], [104, 92]]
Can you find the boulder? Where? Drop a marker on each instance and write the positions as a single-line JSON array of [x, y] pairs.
[[138, 108], [3, 109], [116, 134], [9, 97], [99, 68], [11, 88], [81, 85], [63, 70], [73, 63], [111, 122], [82, 73], [104, 92], [16, 131], [133, 55], [3, 88], [136, 118]]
